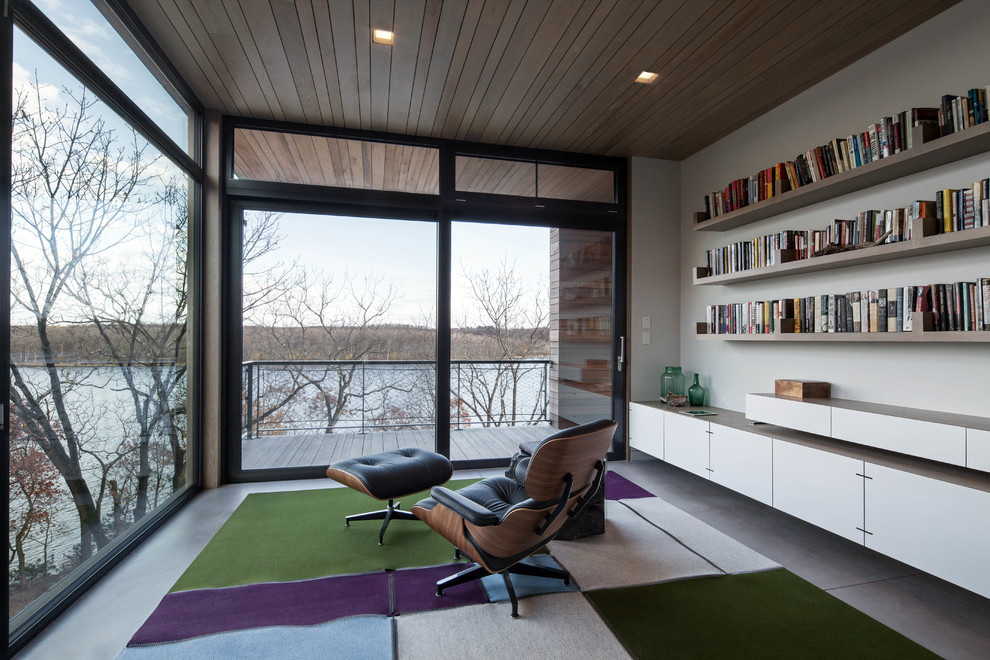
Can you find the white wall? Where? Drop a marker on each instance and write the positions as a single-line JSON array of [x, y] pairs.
[[655, 266], [947, 55]]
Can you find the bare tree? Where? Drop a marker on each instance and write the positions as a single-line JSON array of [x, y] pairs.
[[126, 305], [263, 283], [80, 192], [324, 328], [514, 328]]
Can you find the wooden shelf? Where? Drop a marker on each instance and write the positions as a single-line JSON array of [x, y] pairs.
[[581, 271], [601, 303], [947, 149], [596, 388], [981, 337], [586, 338], [957, 240]]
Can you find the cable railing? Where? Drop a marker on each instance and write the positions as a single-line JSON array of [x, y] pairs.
[[282, 397]]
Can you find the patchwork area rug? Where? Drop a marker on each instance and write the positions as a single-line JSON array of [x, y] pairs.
[[284, 578]]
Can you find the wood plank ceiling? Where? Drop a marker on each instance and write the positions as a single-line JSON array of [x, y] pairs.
[[550, 74]]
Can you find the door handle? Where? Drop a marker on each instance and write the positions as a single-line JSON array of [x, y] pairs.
[[622, 354]]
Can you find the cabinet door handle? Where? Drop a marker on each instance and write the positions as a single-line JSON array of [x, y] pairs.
[[622, 354]]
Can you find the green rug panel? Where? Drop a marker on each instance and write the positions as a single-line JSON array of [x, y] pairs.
[[770, 614], [299, 535]]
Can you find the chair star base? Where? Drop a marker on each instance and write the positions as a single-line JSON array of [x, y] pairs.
[[501, 520], [477, 571]]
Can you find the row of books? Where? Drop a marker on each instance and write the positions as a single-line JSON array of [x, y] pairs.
[[963, 208], [955, 209], [600, 325], [582, 291], [889, 136], [957, 113], [955, 306], [765, 250]]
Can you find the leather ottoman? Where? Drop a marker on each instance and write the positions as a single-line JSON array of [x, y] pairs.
[[389, 475]]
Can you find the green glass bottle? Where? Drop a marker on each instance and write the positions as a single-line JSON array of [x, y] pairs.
[[672, 382], [696, 393]]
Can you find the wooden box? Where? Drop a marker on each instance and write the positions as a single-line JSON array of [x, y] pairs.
[[802, 389]]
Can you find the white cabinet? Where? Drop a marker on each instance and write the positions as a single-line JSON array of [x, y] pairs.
[[938, 523], [790, 413], [646, 429], [903, 430], [915, 437], [742, 461], [938, 527], [823, 488], [978, 449], [686, 443]]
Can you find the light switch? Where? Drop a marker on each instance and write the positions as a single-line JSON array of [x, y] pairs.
[[646, 338], [646, 324]]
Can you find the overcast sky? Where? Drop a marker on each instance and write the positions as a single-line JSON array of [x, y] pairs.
[[403, 253]]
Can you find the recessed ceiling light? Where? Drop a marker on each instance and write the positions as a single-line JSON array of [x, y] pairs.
[[383, 37], [646, 77]]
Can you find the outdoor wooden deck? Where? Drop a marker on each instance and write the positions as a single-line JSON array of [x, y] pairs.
[[306, 449]]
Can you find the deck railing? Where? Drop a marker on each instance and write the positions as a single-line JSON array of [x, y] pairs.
[[297, 396]]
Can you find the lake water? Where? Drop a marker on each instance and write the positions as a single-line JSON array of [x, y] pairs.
[[101, 408], [396, 393]]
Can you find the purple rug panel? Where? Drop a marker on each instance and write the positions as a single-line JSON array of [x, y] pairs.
[[618, 487], [188, 614], [416, 589]]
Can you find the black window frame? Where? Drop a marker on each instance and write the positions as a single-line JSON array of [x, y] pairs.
[[447, 207], [33, 23]]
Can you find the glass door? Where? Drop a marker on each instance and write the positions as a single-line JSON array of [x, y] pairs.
[[338, 355], [533, 345], [584, 353], [339, 336]]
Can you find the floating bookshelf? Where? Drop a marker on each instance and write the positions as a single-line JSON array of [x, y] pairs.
[[914, 336], [922, 156], [979, 337], [918, 246]]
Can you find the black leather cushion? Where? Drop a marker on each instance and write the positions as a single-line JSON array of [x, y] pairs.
[[527, 448], [398, 473], [518, 469], [497, 494]]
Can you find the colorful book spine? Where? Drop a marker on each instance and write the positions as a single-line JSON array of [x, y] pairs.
[[954, 307]]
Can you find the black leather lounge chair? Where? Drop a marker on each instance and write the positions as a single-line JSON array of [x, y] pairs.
[[500, 521]]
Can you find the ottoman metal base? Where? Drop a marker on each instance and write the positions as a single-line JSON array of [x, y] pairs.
[[393, 512]]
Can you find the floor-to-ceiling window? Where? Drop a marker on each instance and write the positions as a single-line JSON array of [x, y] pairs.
[[389, 291], [100, 348], [338, 337]]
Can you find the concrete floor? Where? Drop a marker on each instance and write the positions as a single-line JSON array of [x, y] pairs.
[[950, 621]]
